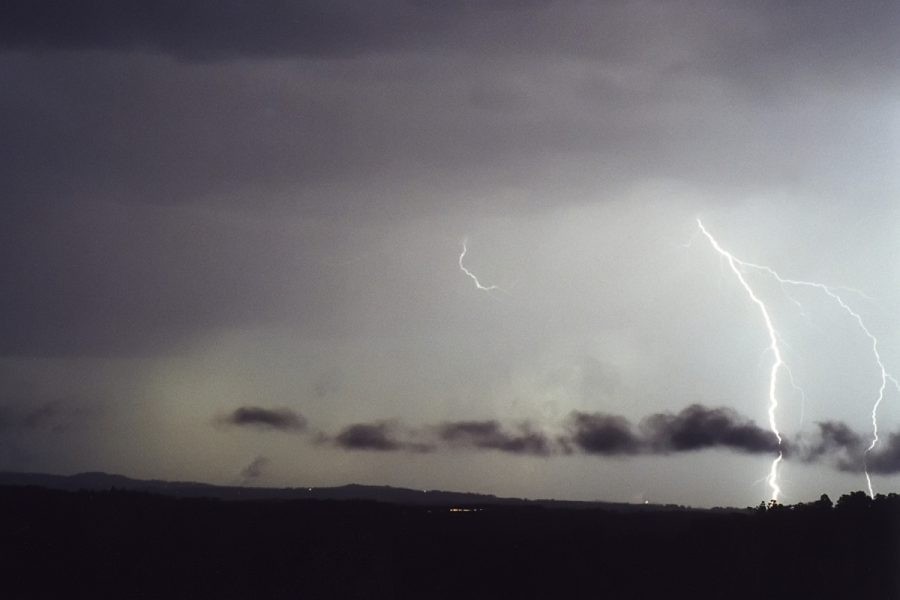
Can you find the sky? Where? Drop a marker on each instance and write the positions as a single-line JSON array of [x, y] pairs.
[[232, 235]]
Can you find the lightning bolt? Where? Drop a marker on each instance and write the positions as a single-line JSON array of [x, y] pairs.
[[885, 376], [777, 363], [462, 267], [830, 292]]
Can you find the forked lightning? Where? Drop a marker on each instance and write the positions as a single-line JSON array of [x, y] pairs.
[[830, 292]]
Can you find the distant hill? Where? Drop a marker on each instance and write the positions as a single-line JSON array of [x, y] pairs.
[[96, 481]]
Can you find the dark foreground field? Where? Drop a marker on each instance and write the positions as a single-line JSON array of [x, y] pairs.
[[58, 544]]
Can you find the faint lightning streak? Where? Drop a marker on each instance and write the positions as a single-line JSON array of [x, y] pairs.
[[800, 391], [777, 364], [486, 288]]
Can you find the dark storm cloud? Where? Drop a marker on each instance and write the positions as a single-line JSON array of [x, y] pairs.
[[698, 427], [831, 39], [279, 419], [380, 437], [598, 433], [490, 435], [433, 107], [254, 470], [213, 29], [140, 128], [210, 29]]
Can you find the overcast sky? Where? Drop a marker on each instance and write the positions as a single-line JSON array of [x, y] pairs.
[[231, 233]]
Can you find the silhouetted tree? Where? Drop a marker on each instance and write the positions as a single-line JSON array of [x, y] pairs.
[[824, 502], [854, 502]]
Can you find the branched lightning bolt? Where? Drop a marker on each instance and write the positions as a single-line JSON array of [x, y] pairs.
[[885, 376], [486, 288], [777, 363], [831, 292]]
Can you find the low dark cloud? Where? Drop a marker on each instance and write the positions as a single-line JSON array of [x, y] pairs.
[[598, 433], [254, 470], [382, 436], [692, 429], [698, 427], [845, 449], [491, 436], [278, 419], [835, 440], [885, 460]]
